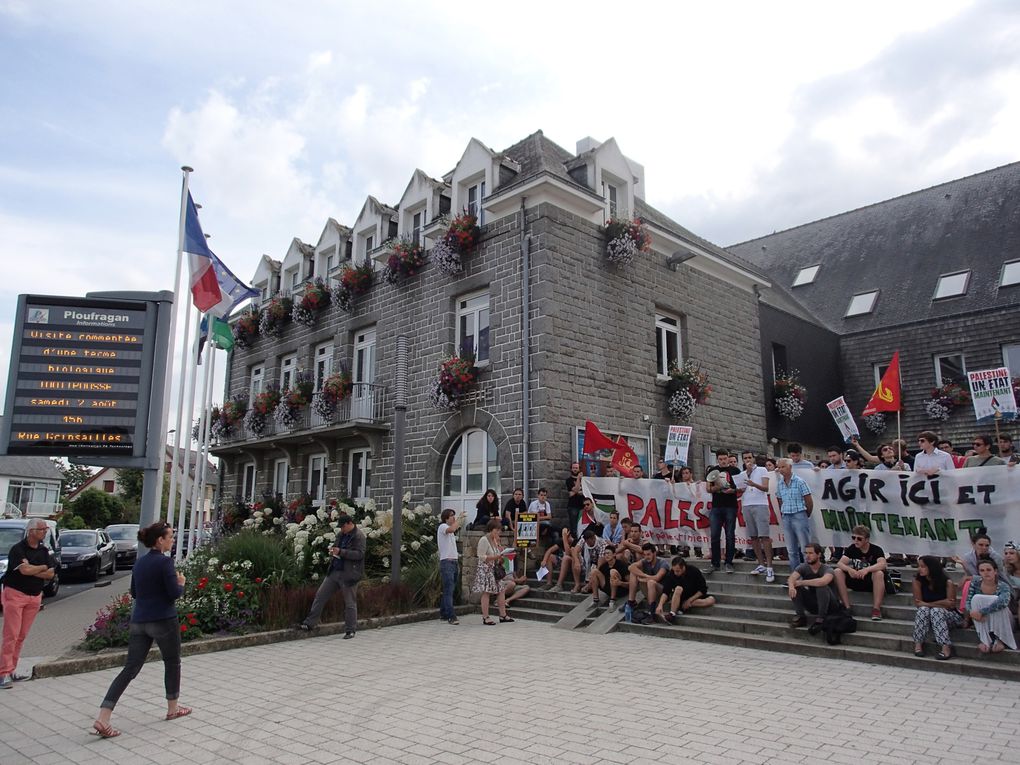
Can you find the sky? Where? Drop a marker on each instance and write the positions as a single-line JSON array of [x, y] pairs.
[[748, 117]]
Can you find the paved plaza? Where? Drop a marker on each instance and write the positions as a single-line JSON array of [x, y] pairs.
[[513, 693]]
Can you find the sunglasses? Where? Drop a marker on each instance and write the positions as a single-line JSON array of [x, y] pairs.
[[858, 539]]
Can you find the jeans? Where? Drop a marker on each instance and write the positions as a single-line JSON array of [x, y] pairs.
[[327, 590], [720, 517], [448, 575], [20, 611], [797, 529], [167, 634]]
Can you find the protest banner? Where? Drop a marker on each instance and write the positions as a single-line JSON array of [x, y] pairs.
[[527, 529], [906, 512], [844, 419], [991, 390], [678, 443]]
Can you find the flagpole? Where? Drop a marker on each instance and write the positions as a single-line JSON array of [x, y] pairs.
[[186, 359], [186, 478], [170, 353], [207, 439], [203, 423]]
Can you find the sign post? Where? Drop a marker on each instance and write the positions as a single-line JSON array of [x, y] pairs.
[[86, 382]]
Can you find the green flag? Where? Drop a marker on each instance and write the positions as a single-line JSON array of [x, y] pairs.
[[222, 335]]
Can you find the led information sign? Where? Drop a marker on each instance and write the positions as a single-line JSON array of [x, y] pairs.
[[81, 375]]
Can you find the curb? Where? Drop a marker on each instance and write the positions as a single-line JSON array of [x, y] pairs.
[[117, 658]]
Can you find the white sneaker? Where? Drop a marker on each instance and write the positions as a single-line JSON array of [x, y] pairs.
[[770, 575], [555, 588], [759, 569]]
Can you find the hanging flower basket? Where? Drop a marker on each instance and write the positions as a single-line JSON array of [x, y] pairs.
[[688, 387], [312, 302], [353, 282], [335, 389], [276, 313], [457, 377], [246, 328], [406, 260], [945, 399], [288, 412], [262, 407], [875, 423], [460, 241], [226, 418], [789, 395], [625, 239]]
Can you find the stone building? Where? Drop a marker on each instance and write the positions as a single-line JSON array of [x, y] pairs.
[[598, 344]]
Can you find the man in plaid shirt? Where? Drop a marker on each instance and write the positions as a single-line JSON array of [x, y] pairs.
[[796, 504]]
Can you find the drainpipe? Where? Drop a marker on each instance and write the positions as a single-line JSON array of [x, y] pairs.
[[525, 353]]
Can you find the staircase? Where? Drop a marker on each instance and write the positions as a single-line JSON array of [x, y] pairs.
[[753, 614]]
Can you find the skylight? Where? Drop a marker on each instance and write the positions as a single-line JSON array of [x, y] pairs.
[[952, 285], [1010, 273], [806, 275], [862, 303]]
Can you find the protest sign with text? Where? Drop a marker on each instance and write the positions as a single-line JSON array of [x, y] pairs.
[[843, 418], [991, 390], [678, 443]]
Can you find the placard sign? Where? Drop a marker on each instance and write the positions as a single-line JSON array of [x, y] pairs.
[[991, 390], [844, 419], [527, 529], [81, 373], [678, 443]]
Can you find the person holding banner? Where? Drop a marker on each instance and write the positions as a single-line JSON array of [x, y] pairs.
[[982, 455], [988, 606], [931, 460]]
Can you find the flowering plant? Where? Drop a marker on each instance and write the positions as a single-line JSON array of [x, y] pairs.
[[875, 423], [335, 389], [624, 239], [406, 260], [224, 419], [276, 312], [246, 328], [112, 625], [314, 299], [946, 398], [294, 400], [353, 282], [459, 241], [457, 376], [688, 386], [219, 598], [789, 395], [265, 404]]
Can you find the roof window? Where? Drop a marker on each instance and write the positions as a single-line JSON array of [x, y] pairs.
[[862, 303], [806, 275], [952, 285], [1010, 273]]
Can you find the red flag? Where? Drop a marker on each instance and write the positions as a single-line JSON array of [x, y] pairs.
[[624, 459], [886, 397], [594, 440]]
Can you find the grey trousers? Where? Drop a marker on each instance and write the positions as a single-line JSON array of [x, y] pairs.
[[327, 590], [815, 600]]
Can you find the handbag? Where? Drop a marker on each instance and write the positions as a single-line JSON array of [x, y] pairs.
[[499, 570]]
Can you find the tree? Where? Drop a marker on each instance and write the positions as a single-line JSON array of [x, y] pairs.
[[93, 507], [131, 485], [74, 476]]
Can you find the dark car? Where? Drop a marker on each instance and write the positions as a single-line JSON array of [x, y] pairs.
[[13, 530], [125, 539], [87, 553]]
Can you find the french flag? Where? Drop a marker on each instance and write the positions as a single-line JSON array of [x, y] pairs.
[[214, 289]]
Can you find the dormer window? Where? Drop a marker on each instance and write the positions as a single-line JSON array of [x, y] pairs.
[[475, 194], [612, 193], [862, 303], [952, 285], [369, 243], [806, 276], [417, 223], [295, 278]]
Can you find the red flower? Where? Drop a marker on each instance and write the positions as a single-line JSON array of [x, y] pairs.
[[228, 586], [258, 580], [240, 594], [184, 628]]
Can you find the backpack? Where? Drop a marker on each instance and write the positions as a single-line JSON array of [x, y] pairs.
[[837, 624]]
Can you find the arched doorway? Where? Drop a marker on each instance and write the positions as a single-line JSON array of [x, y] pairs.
[[470, 468]]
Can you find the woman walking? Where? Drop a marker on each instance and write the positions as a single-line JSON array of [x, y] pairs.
[[935, 598], [155, 586], [489, 554]]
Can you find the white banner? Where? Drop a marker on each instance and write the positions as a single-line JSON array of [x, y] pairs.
[[843, 418], [906, 512], [678, 443], [991, 390]]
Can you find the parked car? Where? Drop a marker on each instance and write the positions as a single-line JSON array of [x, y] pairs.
[[87, 553], [125, 539], [13, 530]]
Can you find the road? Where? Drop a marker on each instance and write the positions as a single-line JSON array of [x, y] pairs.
[[70, 587]]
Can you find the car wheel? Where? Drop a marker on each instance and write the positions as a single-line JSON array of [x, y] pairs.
[[93, 575], [53, 587]]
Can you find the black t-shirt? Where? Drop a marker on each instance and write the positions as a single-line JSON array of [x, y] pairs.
[[619, 565], [512, 507], [574, 501], [692, 581], [859, 560], [30, 585], [725, 499]]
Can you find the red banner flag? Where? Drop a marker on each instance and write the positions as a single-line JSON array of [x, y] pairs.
[[886, 397], [594, 440], [624, 459]]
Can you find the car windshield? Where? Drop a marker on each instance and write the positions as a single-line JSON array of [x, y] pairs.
[[10, 537], [123, 533], [78, 539]]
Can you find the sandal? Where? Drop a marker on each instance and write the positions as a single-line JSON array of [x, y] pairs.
[[983, 647], [179, 712], [505, 619], [104, 730], [998, 647], [488, 622]]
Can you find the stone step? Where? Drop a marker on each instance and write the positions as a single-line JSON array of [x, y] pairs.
[[780, 601], [991, 667], [534, 614], [542, 603]]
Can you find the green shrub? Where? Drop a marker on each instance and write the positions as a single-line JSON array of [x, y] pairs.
[[420, 572], [270, 557], [69, 520]]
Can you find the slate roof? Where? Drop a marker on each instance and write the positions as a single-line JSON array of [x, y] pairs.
[[536, 155], [29, 467], [900, 247]]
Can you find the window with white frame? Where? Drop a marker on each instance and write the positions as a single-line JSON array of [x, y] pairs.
[[281, 474], [950, 367], [878, 371], [475, 194], [1010, 274], [668, 350], [806, 275], [417, 224], [472, 466], [359, 474], [1011, 358], [612, 194], [294, 278], [952, 285], [323, 363], [288, 368], [257, 382], [862, 303], [317, 479], [473, 326], [248, 482]]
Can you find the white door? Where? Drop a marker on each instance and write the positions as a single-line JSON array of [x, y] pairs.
[[317, 479], [363, 395]]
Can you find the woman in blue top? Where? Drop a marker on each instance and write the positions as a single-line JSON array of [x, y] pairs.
[[988, 606], [155, 586]]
